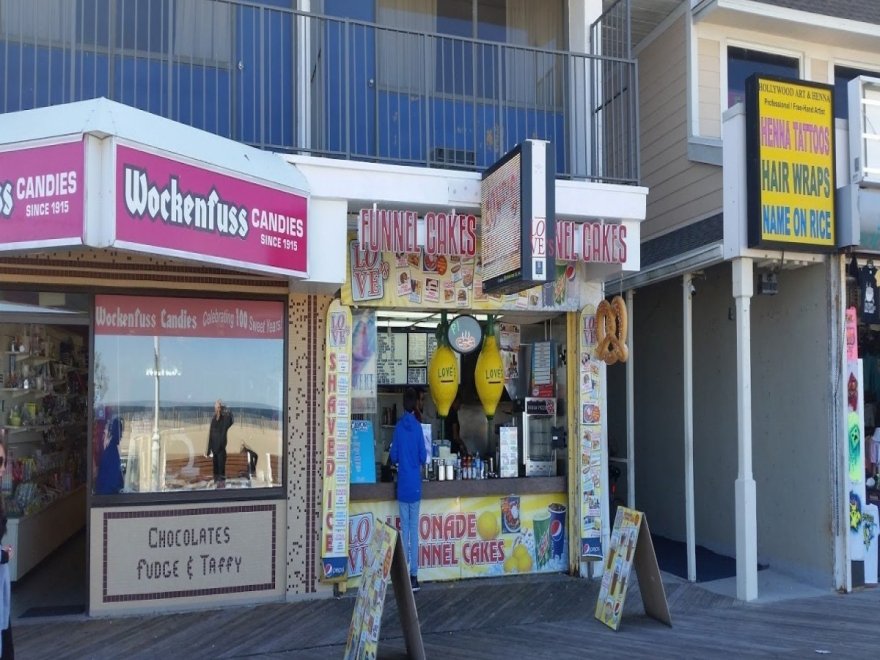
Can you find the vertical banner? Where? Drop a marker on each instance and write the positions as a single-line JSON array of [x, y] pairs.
[[363, 366], [337, 441], [855, 457], [590, 435]]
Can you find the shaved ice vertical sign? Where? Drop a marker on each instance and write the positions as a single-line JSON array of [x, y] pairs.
[[790, 170], [337, 442]]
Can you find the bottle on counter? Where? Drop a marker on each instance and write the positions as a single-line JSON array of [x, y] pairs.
[[441, 470]]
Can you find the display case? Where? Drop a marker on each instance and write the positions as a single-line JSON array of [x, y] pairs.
[[43, 404], [537, 454]]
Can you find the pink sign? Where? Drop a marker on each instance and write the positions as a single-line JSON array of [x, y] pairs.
[[170, 205], [188, 317], [852, 334], [41, 194]]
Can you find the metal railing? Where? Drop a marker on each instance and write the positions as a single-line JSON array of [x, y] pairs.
[[297, 82]]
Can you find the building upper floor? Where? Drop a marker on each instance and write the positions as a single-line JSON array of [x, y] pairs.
[[438, 83], [693, 66]]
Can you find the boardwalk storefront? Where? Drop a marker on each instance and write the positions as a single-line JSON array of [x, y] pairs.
[[518, 483], [151, 270]]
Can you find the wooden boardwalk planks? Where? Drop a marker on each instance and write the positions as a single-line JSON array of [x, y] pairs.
[[529, 616]]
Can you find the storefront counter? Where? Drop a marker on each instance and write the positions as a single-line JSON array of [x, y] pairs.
[[471, 528], [432, 490]]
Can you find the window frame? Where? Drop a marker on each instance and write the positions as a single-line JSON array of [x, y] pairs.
[[724, 91], [186, 496], [852, 66]]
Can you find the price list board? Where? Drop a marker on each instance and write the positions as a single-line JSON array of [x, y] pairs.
[[417, 358], [542, 369], [392, 364]]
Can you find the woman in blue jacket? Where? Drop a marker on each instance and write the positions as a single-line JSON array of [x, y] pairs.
[[408, 452]]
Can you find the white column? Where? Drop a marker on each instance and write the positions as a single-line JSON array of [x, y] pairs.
[[630, 408], [303, 74], [688, 374], [745, 492], [581, 15]]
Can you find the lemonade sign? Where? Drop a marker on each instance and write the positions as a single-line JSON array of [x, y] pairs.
[[474, 537]]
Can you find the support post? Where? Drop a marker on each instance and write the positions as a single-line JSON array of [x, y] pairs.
[[630, 408], [745, 492], [688, 374]]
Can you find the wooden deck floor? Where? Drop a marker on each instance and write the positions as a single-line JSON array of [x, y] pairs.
[[528, 617]]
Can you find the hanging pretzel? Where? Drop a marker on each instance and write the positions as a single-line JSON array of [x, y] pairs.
[[611, 331]]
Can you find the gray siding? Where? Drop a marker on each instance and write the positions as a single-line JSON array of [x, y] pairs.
[[659, 448], [790, 408], [791, 399], [680, 191]]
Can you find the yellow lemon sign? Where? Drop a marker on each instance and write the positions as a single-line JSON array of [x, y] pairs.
[[489, 373], [443, 378]]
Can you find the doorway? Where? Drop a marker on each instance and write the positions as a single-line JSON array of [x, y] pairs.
[[44, 403]]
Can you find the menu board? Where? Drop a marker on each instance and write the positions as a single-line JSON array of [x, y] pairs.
[[417, 376], [418, 349], [542, 384], [508, 458], [391, 369], [432, 346], [417, 359]]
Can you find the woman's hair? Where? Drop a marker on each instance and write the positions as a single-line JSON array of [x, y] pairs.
[[410, 399]]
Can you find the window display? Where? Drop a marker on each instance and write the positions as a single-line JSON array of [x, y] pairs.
[[188, 394], [42, 410]]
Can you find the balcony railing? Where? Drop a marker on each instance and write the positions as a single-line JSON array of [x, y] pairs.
[[297, 82]]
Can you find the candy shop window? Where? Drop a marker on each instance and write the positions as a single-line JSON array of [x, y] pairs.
[[177, 381]]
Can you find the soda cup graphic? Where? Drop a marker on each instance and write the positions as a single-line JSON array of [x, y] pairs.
[[557, 528], [541, 526]]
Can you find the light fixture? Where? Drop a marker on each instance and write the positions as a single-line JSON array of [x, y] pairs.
[[768, 284]]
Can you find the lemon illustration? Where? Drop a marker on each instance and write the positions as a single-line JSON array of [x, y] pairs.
[[523, 558], [487, 526], [510, 564]]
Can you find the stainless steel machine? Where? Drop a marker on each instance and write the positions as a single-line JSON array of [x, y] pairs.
[[537, 455]]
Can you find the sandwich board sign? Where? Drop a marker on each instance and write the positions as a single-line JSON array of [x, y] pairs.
[[385, 562], [630, 546]]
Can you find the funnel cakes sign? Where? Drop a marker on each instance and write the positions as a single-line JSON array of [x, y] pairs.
[[170, 207]]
